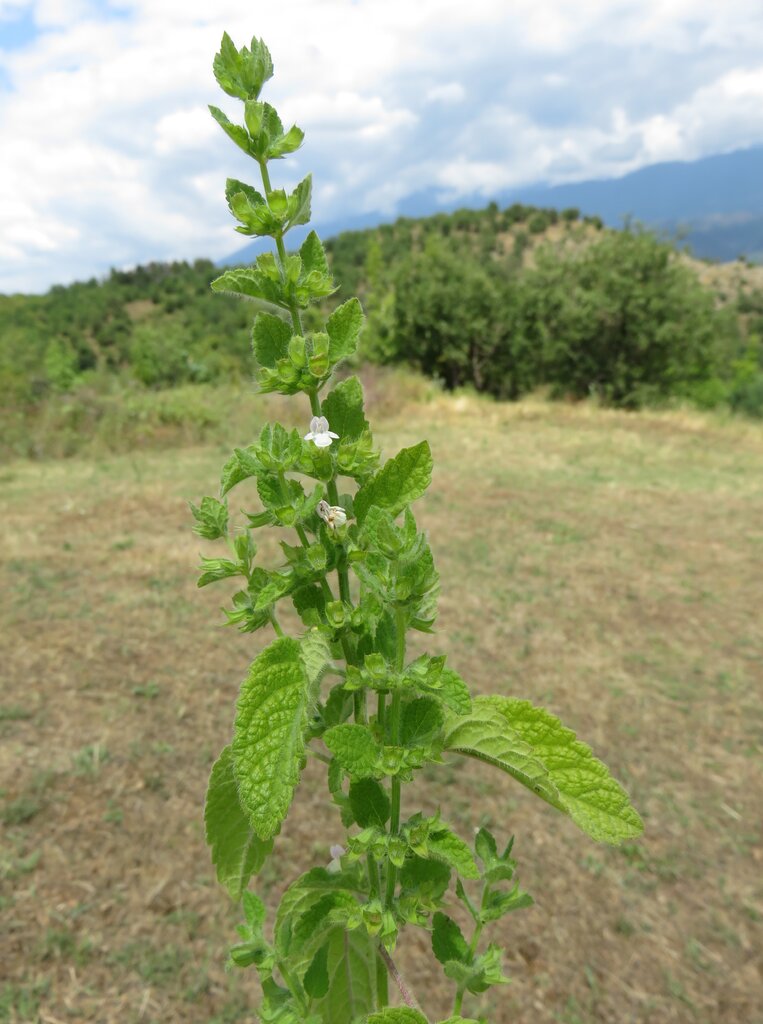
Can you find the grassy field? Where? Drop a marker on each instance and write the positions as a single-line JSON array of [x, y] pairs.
[[608, 565]]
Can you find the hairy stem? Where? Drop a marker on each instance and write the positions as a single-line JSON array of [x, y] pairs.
[[382, 986], [478, 926], [281, 248], [397, 978], [395, 711]]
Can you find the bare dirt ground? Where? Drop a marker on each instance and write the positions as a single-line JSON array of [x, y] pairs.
[[608, 565]]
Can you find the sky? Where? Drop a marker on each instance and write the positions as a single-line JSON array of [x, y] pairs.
[[109, 157]]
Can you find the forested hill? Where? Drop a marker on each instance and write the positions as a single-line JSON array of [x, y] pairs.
[[504, 300]]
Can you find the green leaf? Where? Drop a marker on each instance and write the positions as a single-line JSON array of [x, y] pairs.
[[250, 283], [270, 339], [481, 974], [454, 692], [237, 853], [242, 73], [447, 846], [400, 481], [397, 1015], [428, 878], [299, 203], [343, 328], [269, 736], [233, 187], [369, 803], [285, 143], [317, 977], [313, 256], [421, 720], [211, 518], [497, 903], [355, 748], [486, 847], [484, 734], [234, 131], [316, 655], [254, 911], [448, 942], [215, 569], [240, 466], [582, 785], [351, 967], [343, 408]]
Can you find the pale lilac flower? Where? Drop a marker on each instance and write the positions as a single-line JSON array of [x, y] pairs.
[[337, 852], [333, 515], [319, 432]]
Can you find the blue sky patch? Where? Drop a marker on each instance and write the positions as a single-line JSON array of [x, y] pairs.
[[18, 32]]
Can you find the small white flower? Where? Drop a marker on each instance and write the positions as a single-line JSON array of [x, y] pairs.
[[319, 432], [335, 864], [333, 515]]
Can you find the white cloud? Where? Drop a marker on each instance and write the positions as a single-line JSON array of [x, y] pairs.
[[191, 128], [110, 155], [448, 92]]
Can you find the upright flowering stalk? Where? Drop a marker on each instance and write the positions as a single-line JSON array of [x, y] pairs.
[[359, 575]]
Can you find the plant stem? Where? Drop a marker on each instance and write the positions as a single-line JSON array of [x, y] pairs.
[[292, 984], [381, 716], [478, 926], [395, 710], [281, 248], [382, 984], [276, 624], [397, 978]]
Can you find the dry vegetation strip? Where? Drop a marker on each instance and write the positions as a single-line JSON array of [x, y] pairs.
[[608, 565]]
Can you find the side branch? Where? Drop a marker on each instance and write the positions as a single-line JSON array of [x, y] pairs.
[[396, 977]]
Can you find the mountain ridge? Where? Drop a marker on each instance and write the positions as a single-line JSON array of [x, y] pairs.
[[714, 205]]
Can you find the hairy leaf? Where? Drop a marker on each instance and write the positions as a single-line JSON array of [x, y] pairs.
[[211, 518], [454, 692], [317, 976], [243, 72], [396, 1015], [400, 481], [351, 967], [355, 748], [269, 737], [484, 734], [250, 283], [369, 802], [421, 720], [234, 131], [478, 976], [237, 853], [299, 202], [215, 569], [448, 942], [270, 339], [343, 408], [233, 186], [343, 328], [584, 787], [313, 256], [447, 846]]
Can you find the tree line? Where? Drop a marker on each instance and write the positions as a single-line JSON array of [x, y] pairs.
[[503, 301]]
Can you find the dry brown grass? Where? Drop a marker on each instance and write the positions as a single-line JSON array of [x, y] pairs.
[[607, 564]]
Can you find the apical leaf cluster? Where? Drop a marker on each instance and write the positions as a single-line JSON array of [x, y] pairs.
[[358, 574]]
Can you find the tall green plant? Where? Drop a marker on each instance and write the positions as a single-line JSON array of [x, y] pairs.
[[360, 576]]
